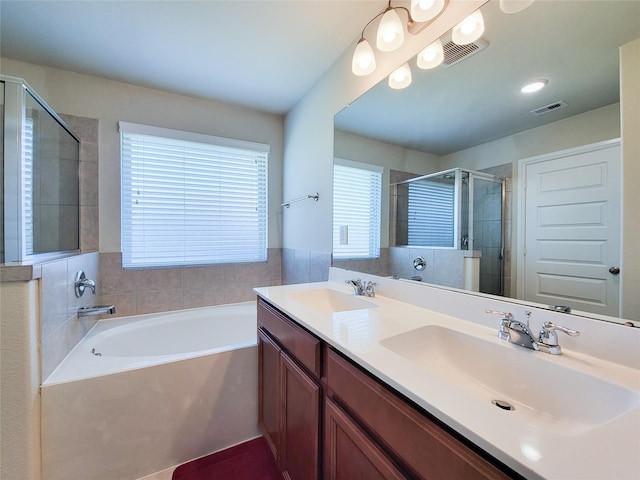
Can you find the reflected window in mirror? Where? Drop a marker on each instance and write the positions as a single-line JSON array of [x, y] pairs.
[[357, 194]]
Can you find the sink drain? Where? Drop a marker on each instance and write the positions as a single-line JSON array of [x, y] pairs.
[[503, 405]]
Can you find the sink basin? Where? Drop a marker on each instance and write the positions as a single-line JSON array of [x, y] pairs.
[[545, 389], [326, 300]]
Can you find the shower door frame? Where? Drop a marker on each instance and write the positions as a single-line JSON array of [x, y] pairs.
[[15, 102]]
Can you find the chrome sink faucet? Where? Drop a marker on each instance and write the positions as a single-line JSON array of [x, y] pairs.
[[362, 288], [519, 333]]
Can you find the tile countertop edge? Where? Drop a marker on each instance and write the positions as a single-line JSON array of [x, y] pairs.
[[507, 451]]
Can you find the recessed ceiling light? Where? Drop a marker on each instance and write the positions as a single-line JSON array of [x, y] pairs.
[[534, 86]]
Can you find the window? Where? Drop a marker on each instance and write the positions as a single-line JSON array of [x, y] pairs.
[[191, 199], [357, 192]]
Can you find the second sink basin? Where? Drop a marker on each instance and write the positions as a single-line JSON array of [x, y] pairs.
[[563, 395], [326, 300]]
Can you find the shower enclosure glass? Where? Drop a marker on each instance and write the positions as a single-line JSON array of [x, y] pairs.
[[40, 170], [455, 209]]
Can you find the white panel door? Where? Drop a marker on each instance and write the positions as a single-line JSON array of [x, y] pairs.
[[572, 229]]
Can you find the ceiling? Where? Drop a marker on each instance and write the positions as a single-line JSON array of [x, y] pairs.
[[261, 54], [573, 44], [267, 54]]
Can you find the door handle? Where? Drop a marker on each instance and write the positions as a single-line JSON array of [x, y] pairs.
[[614, 270]]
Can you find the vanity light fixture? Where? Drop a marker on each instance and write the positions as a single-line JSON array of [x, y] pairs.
[[364, 61], [469, 29], [391, 31], [390, 34], [432, 56], [514, 6], [425, 10], [400, 78], [535, 86]]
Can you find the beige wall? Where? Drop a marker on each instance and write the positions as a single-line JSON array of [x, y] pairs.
[[590, 127], [630, 113], [19, 381], [110, 102]]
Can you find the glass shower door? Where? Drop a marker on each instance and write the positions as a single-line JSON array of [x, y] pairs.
[[487, 206]]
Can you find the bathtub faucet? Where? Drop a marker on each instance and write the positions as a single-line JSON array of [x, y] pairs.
[[97, 310], [83, 282]]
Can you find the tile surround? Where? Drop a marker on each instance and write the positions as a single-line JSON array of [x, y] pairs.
[[60, 327], [135, 292], [302, 266]]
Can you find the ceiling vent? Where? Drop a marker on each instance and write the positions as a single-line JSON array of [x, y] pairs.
[[549, 108], [454, 53]]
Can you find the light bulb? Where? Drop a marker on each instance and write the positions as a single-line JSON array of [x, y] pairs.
[[514, 6], [432, 56], [400, 78], [390, 34], [425, 10], [364, 61], [534, 86], [469, 29]]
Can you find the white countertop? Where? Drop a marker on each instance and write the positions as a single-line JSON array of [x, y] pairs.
[[540, 447]]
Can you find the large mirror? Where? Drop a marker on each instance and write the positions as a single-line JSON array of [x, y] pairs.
[[469, 116]]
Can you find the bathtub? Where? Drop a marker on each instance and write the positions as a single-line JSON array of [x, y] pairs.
[[140, 394]]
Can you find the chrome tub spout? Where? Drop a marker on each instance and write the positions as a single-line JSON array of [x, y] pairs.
[[96, 310]]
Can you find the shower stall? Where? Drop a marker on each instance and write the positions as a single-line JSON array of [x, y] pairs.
[[455, 209], [39, 173]]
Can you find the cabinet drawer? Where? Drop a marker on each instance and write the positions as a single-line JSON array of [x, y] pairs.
[[422, 446], [349, 453], [297, 341]]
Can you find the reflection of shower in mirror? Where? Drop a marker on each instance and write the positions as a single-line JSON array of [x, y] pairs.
[[455, 210]]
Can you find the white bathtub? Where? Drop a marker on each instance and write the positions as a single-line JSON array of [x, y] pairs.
[[141, 394]]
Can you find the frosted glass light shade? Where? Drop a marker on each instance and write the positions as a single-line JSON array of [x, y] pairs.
[[425, 10], [514, 6], [535, 86], [400, 78], [390, 34], [468, 30], [432, 56], [364, 61]]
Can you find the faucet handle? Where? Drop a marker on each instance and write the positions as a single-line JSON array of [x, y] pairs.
[[548, 334], [505, 315], [505, 322], [368, 288]]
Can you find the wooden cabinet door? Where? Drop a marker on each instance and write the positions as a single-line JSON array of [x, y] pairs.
[[349, 454], [269, 394], [300, 422]]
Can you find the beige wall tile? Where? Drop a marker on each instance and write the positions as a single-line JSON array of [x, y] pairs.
[[157, 279], [204, 295], [89, 233], [159, 301], [125, 304], [53, 299]]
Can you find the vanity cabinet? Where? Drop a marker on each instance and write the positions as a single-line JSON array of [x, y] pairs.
[[349, 453], [289, 393], [367, 430], [420, 446]]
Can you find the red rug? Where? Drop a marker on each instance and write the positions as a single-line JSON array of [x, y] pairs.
[[250, 460]]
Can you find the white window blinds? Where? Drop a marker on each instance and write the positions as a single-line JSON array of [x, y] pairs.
[[27, 178], [356, 209], [431, 214], [190, 199]]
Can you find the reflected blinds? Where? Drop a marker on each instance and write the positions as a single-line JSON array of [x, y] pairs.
[[27, 179], [190, 199], [431, 214]]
